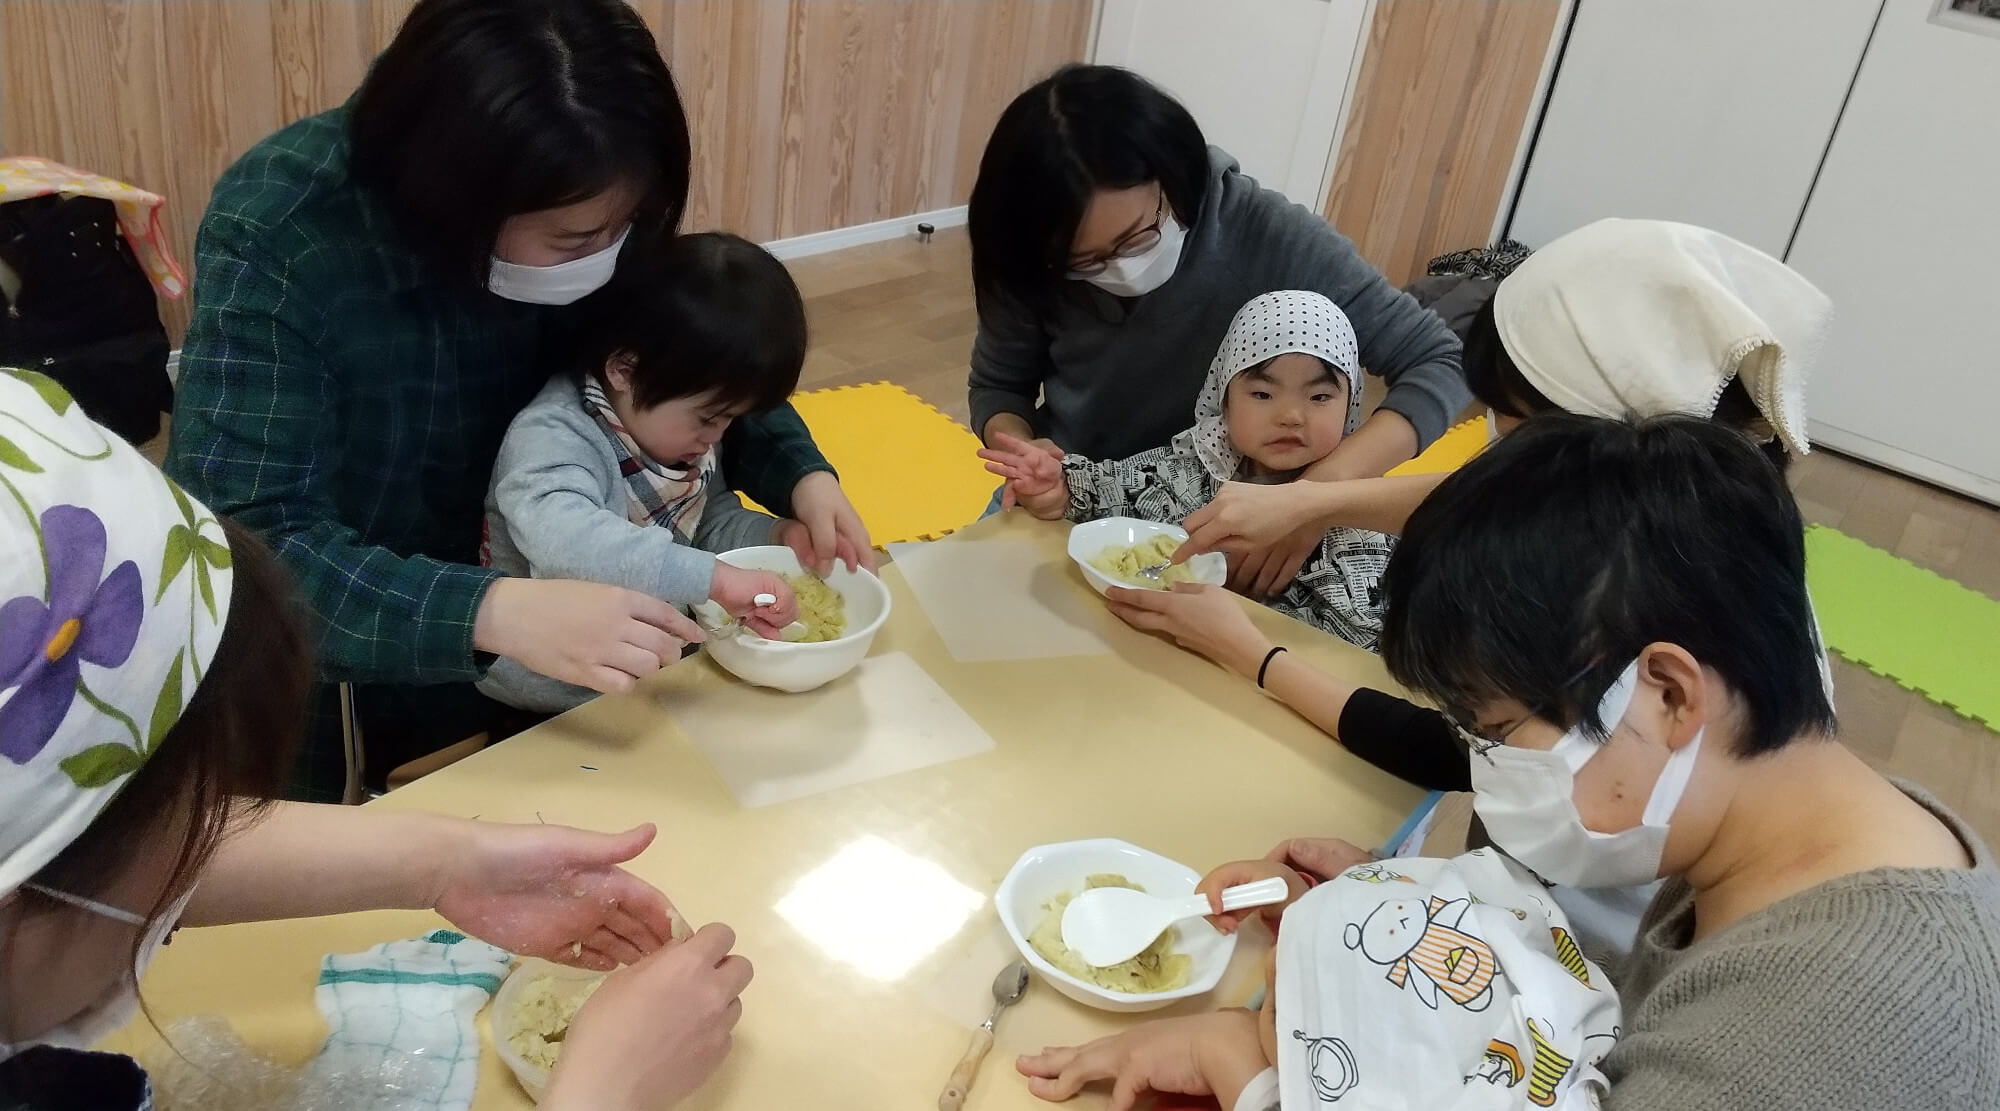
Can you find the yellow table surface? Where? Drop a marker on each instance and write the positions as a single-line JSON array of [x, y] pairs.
[[1148, 743]]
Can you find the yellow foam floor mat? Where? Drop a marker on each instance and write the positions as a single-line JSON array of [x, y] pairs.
[[911, 472], [1450, 451]]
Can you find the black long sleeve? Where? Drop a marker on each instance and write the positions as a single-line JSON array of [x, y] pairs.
[[1408, 741]]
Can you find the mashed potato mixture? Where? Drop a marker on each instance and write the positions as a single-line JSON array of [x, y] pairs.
[[821, 608], [1123, 562], [1157, 969], [542, 1017]]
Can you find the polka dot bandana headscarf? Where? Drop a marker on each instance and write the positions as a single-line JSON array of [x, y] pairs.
[[113, 590], [1271, 325]]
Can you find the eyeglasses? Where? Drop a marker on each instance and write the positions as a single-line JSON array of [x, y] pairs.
[[1135, 243], [1481, 743]]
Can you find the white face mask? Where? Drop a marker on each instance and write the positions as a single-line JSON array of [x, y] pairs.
[[1145, 272], [560, 284], [116, 1007], [1526, 799]]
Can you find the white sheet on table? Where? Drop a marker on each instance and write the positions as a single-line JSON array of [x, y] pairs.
[[887, 717], [1001, 600]]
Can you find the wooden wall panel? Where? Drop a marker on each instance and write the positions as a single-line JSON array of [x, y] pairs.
[[807, 115], [1437, 115]]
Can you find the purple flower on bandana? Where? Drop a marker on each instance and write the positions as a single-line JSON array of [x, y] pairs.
[[89, 616]]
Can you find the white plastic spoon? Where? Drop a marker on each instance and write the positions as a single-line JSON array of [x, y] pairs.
[[1111, 925], [714, 619]]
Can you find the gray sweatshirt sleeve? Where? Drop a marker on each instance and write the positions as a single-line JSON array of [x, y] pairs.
[[1409, 346], [1157, 485], [1010, 360], [726, 524], [550, 491]]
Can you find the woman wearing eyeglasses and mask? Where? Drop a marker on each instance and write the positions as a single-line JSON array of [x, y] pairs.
[[1111, 245], [380, 289], [1648, 690]]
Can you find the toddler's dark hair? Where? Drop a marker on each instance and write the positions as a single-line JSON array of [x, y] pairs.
[[706, 314]]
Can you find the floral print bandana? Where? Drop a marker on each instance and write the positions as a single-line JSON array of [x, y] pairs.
[[113, 589]]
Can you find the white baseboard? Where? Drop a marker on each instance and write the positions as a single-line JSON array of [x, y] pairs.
[[1907, 462], [798, 246], [820, 242]]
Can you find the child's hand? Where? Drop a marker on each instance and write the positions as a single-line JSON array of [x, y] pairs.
[[736, 590], [1249, 871], [1034, 475], [796, 536]]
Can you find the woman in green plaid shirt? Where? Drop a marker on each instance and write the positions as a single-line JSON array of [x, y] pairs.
[[377, 288]]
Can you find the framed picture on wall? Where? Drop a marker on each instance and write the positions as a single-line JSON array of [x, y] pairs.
[[1971, 15]]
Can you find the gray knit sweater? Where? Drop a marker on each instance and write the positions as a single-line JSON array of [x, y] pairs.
[[1110, 377], [1879, 990], [556, 510]]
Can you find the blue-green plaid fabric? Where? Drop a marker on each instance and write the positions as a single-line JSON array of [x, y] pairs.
[[341, 399]]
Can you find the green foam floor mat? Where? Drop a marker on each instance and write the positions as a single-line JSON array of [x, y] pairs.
[[1909, 625]]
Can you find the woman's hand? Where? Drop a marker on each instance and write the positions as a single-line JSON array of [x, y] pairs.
[[603, 637], [1265, 572], [736, 590], [555, 892], [1319, 857], [1034, 474], [1245, 517], [835, 530], [1199, 1055], [1249, 871], [653, 1033], [1206, 620]]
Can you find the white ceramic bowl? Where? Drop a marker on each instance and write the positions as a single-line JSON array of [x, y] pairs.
[[1090, 538], [500, 1016], [803, 667], [1046, 871]]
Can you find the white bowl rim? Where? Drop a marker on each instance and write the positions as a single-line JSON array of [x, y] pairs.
[[756, 643], [1157, 528], [1195, 986]]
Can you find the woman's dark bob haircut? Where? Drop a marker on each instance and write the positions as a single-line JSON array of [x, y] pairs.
[[1082, 129], [485, 109]]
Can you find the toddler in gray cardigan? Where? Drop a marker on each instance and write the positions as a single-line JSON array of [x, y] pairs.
[[613, 475]]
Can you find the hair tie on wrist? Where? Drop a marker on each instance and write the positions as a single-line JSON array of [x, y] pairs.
[[1265, 667]]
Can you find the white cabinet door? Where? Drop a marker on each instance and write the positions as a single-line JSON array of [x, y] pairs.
[[1903, 232], [1712, 112], [1267, 79]]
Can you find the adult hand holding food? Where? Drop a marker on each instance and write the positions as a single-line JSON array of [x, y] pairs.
[[655, 1031], [603, 637]]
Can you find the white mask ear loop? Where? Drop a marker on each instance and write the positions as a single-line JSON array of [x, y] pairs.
[[93, 906]]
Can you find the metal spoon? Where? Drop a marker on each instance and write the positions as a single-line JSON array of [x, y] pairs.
[[1008, 987]]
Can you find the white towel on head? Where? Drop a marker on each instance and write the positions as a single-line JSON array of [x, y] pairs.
[[1649, 317]]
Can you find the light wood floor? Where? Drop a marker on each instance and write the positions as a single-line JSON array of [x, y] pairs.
[[902, 312]]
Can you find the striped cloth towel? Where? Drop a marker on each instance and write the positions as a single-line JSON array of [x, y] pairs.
[[401, 1016]]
